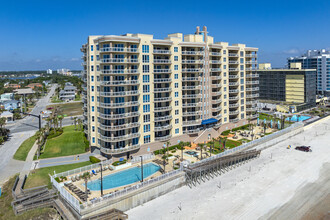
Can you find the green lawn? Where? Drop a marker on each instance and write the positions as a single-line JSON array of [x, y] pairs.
[[40, 176], [71, 142], [229, 143], [24, 149], [6, 211], [70, 109]]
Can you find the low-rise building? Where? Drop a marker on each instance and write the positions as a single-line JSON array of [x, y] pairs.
[[34, 85], [68, 93], [8, 115], [14, 86], [10, 105], [6, 96], [292, 89]]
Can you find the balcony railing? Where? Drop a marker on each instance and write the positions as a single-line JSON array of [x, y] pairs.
[[187, 79], [216, 77], [128, 71], [191, 122], [163, 118], [216, 93], [233, 112], [215, 69], [191, 113], [216, 109], [162, 128], [252, 89], [162, 80], [191, 96], [119, 49], [191, 87], [252, 96], [233, 77], [233, 120], [162, 51], [233, 62], [233, 69], [120, 138], [192, 131], [123, 93], [164, 138], [252, 82], [192, 61], [250, 55], [123, 104], [233, 55], [251, 62], [119, 116], [252, 75], [119, 127], [215, 54], [162, 61], [162, 71], [122, 82], [217, 101], [189, 70], [233, 84], [191, 104], [192, 52], [163, 99], [161, 109], [233, 91], [215, 62], [119, 60], [120, 150], [234, 98], [251, 109], [233, 105], [162, 89]]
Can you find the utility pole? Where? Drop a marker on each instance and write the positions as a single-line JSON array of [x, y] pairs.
[[101, 180]]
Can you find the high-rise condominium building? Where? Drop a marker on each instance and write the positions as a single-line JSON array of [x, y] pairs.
[[319, 60], [142, 92]]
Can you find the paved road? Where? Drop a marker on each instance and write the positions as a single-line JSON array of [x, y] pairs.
[[62, 160]]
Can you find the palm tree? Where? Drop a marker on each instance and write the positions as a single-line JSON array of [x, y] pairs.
[[39, 141], [298, 117], [181, 147], [86, 176], [168, 146], [201, 148], [60, 118], [224, 143], [249, 121], [219, 139], [2, 122], [75, 123]]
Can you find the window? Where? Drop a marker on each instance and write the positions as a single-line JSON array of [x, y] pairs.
[[225, 96], [225, 82], [176, 103], [225, 119], [92, 98], [146, 118], [146, 108], [92, 88], [97, 57], [242, 116], [93, 128], [242, 108], [146, 88], [176, 121], [146, 139], [225, 103], [176, 49], [92, 68], [177, 131], [242, 67], [242, 53], [224, 74], [177, 112], [224, 89], [145, 58], [92, 58], [224, 59], [92, 78], [242, 94], [92, 47], [242, 81], [176, 85], [93, 139], [92, 108], [176, 67], [146, 78], [146, 128], [242, 88], [145, 48], [242, 74], [98, 98], [176, 58], [242, 60], [97, 47], [93, 118], [224, 52], [146, 98], [176, 94], [176, 76], [97, 67], [145, 68], [224, 67], [225, 111]]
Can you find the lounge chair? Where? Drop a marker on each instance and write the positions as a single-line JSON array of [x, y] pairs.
[[93, 171]]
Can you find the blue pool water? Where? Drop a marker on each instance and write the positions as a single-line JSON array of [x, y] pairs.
[[301, 118], [124, 177]]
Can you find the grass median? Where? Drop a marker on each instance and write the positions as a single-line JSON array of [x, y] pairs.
[[70, 109], [40, 177], [25, 148]]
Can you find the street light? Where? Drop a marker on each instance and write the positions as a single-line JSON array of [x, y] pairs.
[[164, 157], [141, 169], [101, 180]]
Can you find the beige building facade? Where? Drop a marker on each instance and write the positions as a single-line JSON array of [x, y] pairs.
[[142, 92]]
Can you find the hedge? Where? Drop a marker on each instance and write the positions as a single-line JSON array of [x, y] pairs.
[[93, 159], [52, 133], [174, 147], [117, 163]]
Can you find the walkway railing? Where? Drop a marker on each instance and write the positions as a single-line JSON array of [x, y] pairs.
[[137, 159]]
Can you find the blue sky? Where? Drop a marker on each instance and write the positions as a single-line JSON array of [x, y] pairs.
[[37, 35]]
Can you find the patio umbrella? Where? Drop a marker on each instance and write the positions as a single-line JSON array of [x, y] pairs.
[[271, 123], [264, 121], [278, 124], [258, 121]]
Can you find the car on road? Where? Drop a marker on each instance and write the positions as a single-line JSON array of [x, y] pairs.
[[304, 148]]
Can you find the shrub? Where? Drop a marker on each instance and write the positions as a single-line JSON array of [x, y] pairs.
[[57, 179], [86, 144], [93, 159], [52, 133], [225, 133], [165, 156], [244, 127], [117, 163]]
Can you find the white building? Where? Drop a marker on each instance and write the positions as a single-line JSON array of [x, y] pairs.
[[49, 71]]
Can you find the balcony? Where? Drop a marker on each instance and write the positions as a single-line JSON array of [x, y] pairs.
[[162, 61], [215, 69], [162, 71], [116, 105], [192, 131], [162, 109], [192, 122], [233, 84], [120, 138], [251, 109], [162, 89], [216, 109], [216, 85], [233, 55], [119, 49], [252, 75], [163, 118], [162, 128], [218, 116], [192, 52], [251, 62], [251, 102], [191, 96], [233, 98], [163, 99], [252, 96], [250, 55], [233, 62], [119, 127], [162, 80], [122, 82], [119, 60], [215, 54], [124, 93], [189, 79], [119, 116], [252, 89], [192, 61], [191, 87], [120, 150], [162, 52], [198, 104], [233, 76], [215, 62], [164, 138], [194, 113], [249, 69], [233, 69], [192, 70], [233, 112], [233, 105], [128, 71], [217, 101], [216, 77], [234, 120], [233, 91], [252, 82], [216, 93]]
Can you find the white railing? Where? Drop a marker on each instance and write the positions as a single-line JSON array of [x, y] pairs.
[[118, 49], [137, 159], [162, 70], [162, 61], [162, 80]]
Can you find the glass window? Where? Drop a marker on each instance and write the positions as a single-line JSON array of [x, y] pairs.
[[242, 94], [92, 78], [97, 47], [146, 88], [92, 68], [224, 52], [176, 103], [93, 128], [176, 85], [92, 98], [242, 74], [176, 67], [176, 76], [242, 67], [146, 139], [93, 118], [92, 88], [146, 118], [92, 108], [145, 58], [146, 98], [177, 112], [242, 81], [176, 121], [177, 131], [176, 58], [92, 47], [176, 94], [145, 48], [146, 128], [176, 49], [224, 59], [224, 67], [92, 58], [145, 68], [242, 60], [146, 108], [93, 139], [146, 78], [242, 53], [242, 116]]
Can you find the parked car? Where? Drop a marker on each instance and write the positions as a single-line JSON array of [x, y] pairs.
[[304, 148]]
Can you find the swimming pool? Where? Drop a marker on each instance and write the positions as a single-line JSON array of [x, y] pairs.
[[301, 118], [124, 177]]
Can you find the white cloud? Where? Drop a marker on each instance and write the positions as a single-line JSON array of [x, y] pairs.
[[74, 59], [292, 51]]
